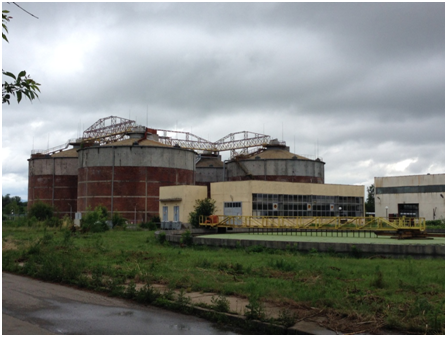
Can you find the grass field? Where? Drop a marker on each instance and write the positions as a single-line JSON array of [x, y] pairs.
[[328, 237], [402, 294]]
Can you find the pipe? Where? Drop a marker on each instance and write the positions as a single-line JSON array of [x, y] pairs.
[[113, 177], [54, 173]]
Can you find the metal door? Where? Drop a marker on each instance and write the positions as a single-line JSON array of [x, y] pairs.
[[233, 209]]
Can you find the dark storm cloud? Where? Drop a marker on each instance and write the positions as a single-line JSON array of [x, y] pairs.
[[363, 80]]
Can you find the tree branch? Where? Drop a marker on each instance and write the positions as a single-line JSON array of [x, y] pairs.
[[25, 10]]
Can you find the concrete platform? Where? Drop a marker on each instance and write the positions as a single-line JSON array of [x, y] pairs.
[[342, 242]]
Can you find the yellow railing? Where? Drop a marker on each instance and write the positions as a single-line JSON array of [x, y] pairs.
[[326, 223]]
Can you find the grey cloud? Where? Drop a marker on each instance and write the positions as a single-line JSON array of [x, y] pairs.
[[366, 81]]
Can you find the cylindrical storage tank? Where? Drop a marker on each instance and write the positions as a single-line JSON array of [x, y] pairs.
[[275, 163], [53, 179], [125, 176], [209, 169]]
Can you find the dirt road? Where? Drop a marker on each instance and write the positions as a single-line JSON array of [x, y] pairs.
[[34, 307]]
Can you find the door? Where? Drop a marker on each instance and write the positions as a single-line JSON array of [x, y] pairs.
[[165, 214], [233, 209], [408, 210]]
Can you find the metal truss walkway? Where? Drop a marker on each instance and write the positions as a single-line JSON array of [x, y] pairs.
[[403, 224]]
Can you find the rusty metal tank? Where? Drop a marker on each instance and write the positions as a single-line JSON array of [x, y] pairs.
[[125, 176], [53, 179]]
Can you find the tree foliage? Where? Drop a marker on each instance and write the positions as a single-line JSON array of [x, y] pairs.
[[13, 205], [204, 207], [370, 204], [22, 85], [41, 211]]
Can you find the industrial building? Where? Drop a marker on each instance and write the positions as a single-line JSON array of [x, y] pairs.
[[265, 198], [411, 196], [140, 172]]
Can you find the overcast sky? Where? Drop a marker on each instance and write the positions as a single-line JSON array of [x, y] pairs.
[[361, 85]]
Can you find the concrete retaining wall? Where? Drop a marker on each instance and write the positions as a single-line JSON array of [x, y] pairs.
[[374, 249]]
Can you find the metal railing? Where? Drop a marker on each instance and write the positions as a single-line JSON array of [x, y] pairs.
[[324, 223], [55, 149]]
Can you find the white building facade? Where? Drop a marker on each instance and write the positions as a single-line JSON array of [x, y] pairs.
[[418, 196]]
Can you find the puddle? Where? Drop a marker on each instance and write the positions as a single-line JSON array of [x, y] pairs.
[[79, 318]]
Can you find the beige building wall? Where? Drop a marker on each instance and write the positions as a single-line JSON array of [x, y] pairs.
[[427, 191], [242, 191], [183, 196]]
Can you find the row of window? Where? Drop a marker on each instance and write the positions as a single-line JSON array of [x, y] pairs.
[[306, 205], [285, 198], [410, 189]]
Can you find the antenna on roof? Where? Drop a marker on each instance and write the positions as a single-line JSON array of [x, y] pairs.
[[282, 135], [318, 155]]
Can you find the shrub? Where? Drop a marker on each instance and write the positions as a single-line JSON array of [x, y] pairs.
[[41, 211], [220, 303], [204, 207], [255, 308], [95, 221], [118, 220], [156, 219], [439, 224], [187, 239], [53, 222], [149, 225], [162, 237]]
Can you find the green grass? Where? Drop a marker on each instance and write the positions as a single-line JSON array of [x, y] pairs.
[[405, 294]]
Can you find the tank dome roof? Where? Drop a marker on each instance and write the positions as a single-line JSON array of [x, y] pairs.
[[275, 154], [210, 162], [73, 153], [274, 150]]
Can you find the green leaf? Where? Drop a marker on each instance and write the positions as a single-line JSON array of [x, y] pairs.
[[9, 74], [19, 96], [22, 73]]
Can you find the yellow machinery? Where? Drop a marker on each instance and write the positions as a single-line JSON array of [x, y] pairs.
[[405, 227]]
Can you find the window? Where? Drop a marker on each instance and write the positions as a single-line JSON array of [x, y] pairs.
[[304, 205], [176, 213], [165, 213]]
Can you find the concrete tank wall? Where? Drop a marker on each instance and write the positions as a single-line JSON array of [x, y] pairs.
[[126, 179], [54, 180], [288, 170]]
